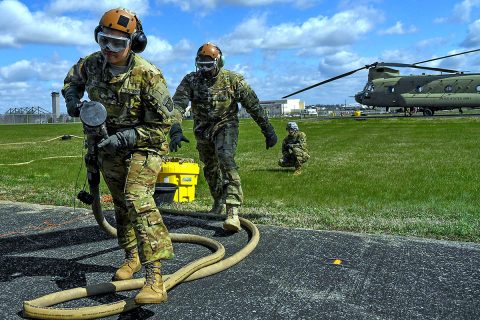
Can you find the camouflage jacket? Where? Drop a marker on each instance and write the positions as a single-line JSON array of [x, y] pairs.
[[215, 101], [137, 99], [294, 143]]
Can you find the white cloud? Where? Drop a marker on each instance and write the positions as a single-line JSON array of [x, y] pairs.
[[473, 36], [400, 56], [160, 51], [431, 43], [243, 69], [341, 62], [465, 62], [205, 6], [461, 62], [461, 12], [25, 94], [98, 6], [399, 28], [341, 29], [28, 83], [13, 85], [295, 75], [25, 27], [26, 70]]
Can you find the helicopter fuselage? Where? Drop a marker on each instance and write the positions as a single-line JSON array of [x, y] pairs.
[[432, 92]]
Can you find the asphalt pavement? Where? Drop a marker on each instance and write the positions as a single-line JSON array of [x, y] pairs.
[[292, 274]]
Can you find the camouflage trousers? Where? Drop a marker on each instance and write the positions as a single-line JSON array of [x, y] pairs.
[[295, 157], [131, 180], [220, 170]]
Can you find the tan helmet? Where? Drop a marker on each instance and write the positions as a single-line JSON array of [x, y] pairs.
[[119, 19], [211, 50], [126, 21]]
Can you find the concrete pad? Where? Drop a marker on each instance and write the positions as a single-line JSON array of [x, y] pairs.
[[292, 274]]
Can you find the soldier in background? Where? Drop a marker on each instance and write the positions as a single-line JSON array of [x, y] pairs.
[[139, 116], [294, 149], [214, 93]]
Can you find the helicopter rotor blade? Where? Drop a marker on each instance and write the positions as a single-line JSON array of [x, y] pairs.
[[386, 64], [450, 55], [406, 65], [331, 79]]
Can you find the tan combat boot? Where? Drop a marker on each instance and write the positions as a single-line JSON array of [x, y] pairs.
[[129, 267], [153, 290], [298, 171], [232, 223], [218, 207]]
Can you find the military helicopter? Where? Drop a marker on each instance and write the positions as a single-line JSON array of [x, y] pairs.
[[429, 93]]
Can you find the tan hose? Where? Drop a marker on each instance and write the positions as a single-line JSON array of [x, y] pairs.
[[40, 308], [98, 213]]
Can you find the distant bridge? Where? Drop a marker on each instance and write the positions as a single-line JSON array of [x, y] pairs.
[[27, 110]]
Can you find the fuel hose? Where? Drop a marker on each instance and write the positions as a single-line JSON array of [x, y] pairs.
[[41, 308]]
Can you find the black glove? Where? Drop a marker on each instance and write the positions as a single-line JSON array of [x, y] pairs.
[[120, 140], [176, 137], [270, 136], [73, 106], [73, 103]]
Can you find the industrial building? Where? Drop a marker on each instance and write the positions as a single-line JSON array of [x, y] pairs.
[[278, 108], [35, 115]]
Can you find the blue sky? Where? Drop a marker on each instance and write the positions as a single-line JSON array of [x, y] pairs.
[[280, 46]]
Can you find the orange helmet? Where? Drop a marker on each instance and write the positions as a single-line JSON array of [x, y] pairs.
[[213, 51], [119, 19], [126, 21], [210, 50]]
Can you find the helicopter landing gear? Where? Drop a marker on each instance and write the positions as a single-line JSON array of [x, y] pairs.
[[427, 112], [409, 111]]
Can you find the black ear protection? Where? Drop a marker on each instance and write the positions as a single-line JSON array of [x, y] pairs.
[[221, 63], [138, 38]]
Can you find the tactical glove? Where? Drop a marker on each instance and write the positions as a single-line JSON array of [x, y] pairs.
[[270, 136], [73, 103], [73, 106], [120, 140], [176, 137]]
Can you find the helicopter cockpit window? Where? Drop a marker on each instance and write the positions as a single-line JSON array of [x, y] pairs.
[[419, 89], [369, 87], [448, 88]]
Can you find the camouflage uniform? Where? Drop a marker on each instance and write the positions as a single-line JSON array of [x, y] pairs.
[[136, 99], [294, 150], [215, 115]]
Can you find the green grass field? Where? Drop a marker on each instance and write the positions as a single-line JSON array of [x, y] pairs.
[[407, 176]]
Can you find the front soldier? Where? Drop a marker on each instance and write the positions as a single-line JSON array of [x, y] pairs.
[[214, 93], [294, 149], [139, 117]]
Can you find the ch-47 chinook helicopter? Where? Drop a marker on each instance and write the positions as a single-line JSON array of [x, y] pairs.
[[387, 88]]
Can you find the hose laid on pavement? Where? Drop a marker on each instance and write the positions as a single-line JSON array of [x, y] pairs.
[[40, 308]]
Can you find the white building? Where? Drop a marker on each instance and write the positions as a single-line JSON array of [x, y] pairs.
[[278, 108]]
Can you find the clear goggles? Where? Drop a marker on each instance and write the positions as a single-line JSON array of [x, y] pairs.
[[111, 42], [206, 65]]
